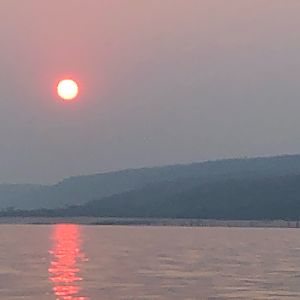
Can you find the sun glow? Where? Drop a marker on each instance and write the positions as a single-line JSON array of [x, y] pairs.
[[67, 89]]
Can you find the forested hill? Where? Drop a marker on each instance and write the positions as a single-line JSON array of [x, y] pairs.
[[176, 180], [232, 199], [242, 199]]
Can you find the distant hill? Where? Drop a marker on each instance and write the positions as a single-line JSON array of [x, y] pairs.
[[263, 198], [231, 199], [168, 181], [9, 193]]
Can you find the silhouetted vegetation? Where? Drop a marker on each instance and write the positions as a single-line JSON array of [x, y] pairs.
[[82, 189], [258, 188], [241, 199]]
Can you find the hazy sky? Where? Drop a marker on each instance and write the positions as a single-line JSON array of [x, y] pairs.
[[162, 82]]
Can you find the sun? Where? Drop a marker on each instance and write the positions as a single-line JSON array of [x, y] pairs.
[[67, 89]]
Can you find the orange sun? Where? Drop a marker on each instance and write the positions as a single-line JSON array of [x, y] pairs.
[[67, 89]]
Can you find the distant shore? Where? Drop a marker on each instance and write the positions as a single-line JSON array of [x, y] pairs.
[[151, 222]]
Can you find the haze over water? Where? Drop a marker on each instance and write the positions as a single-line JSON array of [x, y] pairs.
[[161, 82], [72, 262]]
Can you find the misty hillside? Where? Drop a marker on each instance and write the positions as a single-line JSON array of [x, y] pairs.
[[10, 192], [232, 199], [82, 189], [239, 199]]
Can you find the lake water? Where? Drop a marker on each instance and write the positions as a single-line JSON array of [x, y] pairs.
[[73, 262]]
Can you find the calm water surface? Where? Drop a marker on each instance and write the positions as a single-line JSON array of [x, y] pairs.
[[72, 262]]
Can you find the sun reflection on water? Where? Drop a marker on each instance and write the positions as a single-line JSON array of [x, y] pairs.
[[64, 271]]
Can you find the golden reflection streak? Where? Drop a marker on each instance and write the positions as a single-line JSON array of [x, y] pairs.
[[64, 270]]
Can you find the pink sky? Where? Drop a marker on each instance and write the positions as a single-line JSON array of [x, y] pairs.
[[162, 81]]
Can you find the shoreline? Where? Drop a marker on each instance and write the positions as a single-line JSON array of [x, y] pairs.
[[149, 222]]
